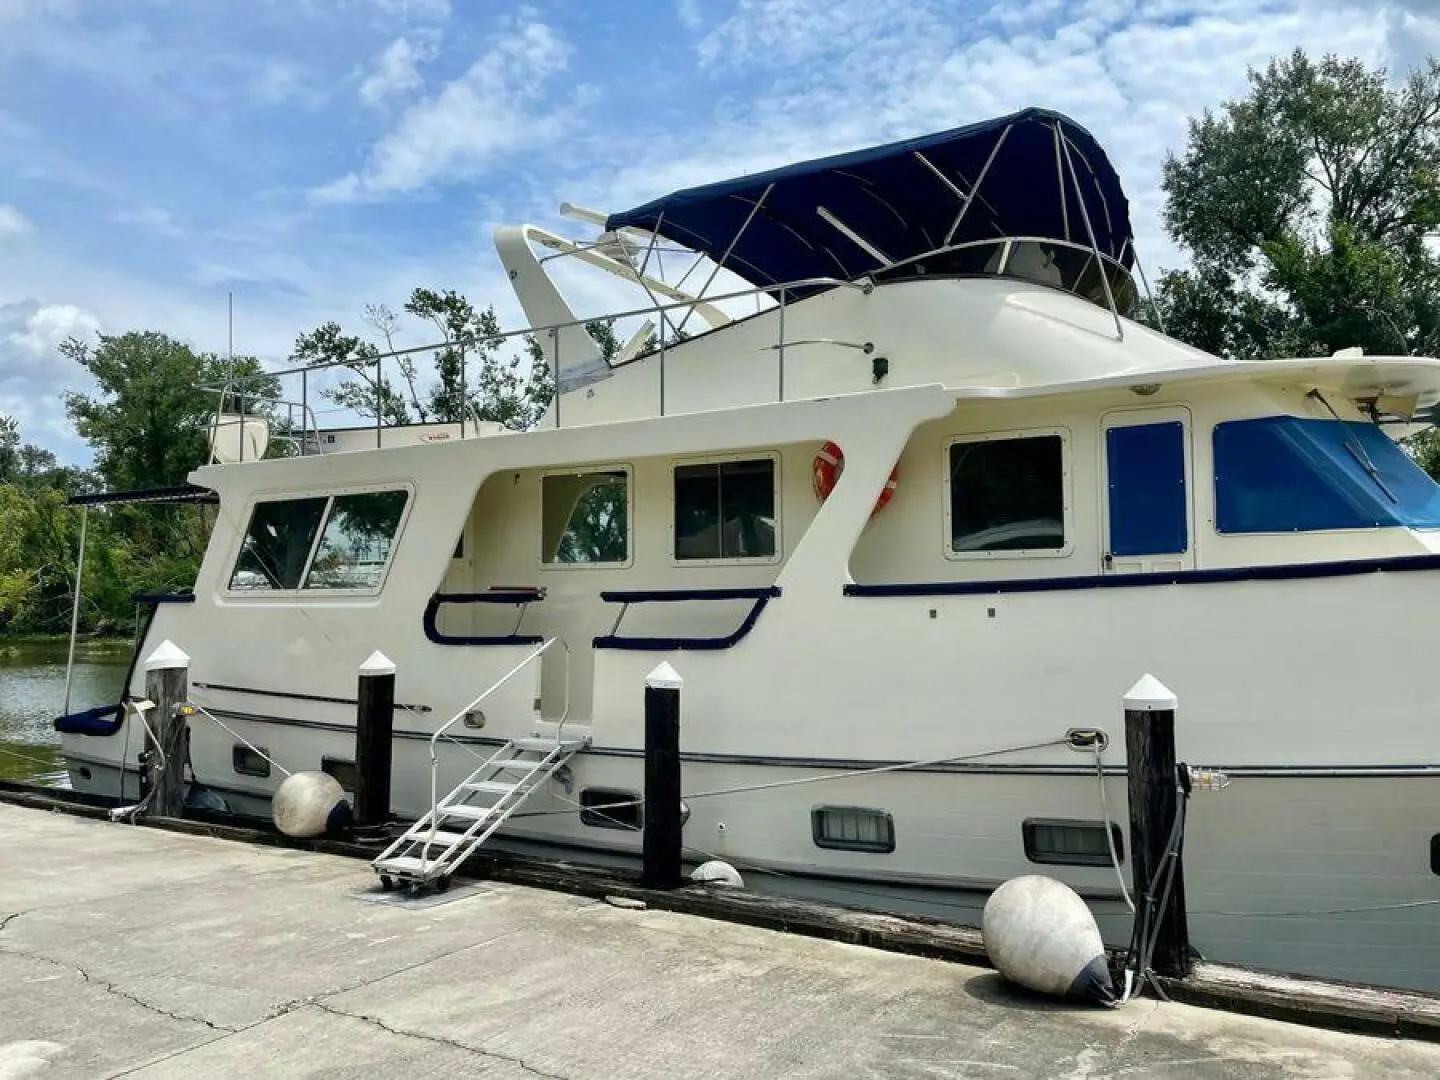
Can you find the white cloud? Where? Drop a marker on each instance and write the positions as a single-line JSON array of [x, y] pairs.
[[33, 373], [415, 9], [12, 223], [20, 9], [152, 218], [395, 73], [497, 107]]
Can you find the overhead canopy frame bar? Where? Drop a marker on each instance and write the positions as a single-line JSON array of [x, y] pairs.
[[185, 493]]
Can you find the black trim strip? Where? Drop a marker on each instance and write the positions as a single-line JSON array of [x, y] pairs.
[[520, 595], [761, 597], [1283, 572], [497, 596], [291, 696], [661, 596]]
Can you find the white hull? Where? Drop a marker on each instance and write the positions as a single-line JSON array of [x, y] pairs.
[[1328, 843]]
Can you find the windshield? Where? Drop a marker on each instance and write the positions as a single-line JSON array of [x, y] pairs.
[[1293, 474]]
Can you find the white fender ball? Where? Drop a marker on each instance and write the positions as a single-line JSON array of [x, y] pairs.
[[716, 872], [310, 804], [1040, 934]]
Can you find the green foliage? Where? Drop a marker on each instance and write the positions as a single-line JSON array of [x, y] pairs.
[[1305, 207], [148, 425]]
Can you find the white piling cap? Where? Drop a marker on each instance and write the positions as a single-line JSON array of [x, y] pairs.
[[166, 656], [664, 677], [377, 664], [1149, 695]]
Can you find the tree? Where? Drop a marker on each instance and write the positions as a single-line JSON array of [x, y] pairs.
[[1306, 208], [327, 346], [469, 375], [149, 422]]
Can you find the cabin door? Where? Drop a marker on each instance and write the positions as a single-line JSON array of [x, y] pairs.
[[1148, 520]]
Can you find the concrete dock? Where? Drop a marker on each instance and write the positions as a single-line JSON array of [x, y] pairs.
[[136, 952]]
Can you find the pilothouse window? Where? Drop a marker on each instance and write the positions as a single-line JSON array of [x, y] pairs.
[[277, 544], [328, 542], [1007, 494], [1281, 474], [725, 510], [355, 545]]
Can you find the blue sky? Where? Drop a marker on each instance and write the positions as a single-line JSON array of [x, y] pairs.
[[311, 156]]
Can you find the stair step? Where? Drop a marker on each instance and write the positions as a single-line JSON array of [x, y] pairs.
[[443, 838], [493, 787], [542, 743], [405, 864], [471, 813], [471, 825]]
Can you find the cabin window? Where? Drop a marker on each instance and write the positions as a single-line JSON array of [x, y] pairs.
[[609, 808], [277, 544], [586, 518], [852, 828], [1297, 474], [280, 548], [1007, 494], [355, 545], [1070, 843], [725, 510]]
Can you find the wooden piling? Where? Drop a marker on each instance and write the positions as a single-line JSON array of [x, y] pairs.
[[1154, 802], [374, 741], [663, 825], [167, 684]]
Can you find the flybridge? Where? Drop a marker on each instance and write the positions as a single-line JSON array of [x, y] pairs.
[[1034, 173]]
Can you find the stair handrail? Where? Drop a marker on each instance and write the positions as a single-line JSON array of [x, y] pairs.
[[443, 728]]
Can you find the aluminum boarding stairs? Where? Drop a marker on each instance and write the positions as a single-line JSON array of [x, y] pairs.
[[470, 814]]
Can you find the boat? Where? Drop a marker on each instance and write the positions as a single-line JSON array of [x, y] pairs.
[[904, 507]]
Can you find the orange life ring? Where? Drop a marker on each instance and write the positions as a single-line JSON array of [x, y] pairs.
[[829, 463]]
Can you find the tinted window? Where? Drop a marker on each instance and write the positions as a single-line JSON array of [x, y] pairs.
[[1007, 494], [277, 544], [355, 545], [1291, 474], [1071, 843], [586, 517], [852, 828], [725, 510], [607, 808]]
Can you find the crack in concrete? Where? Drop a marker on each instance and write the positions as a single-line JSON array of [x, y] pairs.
[[110, 988], [8, 919], [1133, 1032], [439, 1040]]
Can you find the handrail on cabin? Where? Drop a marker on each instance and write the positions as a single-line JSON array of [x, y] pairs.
[[761, 595], [521, 596]]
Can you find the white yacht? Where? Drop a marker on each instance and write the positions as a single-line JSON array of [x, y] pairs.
[[908, 512]]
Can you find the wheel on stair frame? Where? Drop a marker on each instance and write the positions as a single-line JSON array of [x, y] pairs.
[[442, 883], [387, 883]]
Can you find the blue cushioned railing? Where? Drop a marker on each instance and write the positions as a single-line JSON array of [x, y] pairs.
[[760, 596]]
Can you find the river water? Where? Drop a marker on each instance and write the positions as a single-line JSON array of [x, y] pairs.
[[32, 694]]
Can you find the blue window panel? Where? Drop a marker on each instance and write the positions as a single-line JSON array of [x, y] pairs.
[[1296, 474], [1149, 510]]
